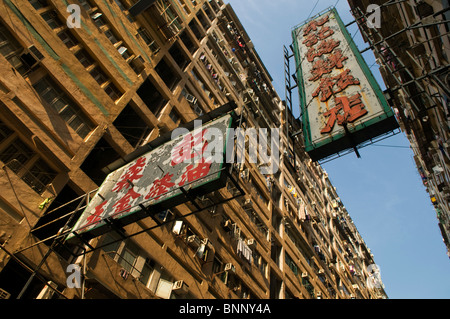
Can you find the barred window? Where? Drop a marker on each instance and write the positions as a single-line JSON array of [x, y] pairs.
[[52, 94], [23, 161]]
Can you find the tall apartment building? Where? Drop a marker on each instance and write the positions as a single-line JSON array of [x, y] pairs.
[[79, 100], [413, 51]]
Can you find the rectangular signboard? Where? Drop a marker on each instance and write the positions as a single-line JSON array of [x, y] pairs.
[[155, 181], [342, 105]]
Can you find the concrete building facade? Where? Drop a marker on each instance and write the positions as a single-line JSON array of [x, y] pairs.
[[411, 44], [76, 99]]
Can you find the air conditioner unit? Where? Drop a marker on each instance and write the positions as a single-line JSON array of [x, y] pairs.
[[47, 292], [194, 241], [230, 267], [177, 227], [180, 288], [251, 243], [4, 294], [304, 274], [321, 271], [355, 286], [191, 99]]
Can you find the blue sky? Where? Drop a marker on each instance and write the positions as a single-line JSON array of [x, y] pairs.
[[382, 190]]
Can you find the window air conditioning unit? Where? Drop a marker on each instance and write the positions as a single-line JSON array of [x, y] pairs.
[[355, 286], [194, 241], [180, 288], [321, 271], [191, 99], [230, 267], [177, 227], [251, 243], [304, 274]]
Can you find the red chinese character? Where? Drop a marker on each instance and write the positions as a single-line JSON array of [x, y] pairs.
[[94, 218], [132, 174], [324, 33], [194, 173], [160, 187], [312, 26], [312, 39], [324, 47], [347, 110], [189, 148], [325, 89], [344, 80], [320, 67], [325, 66], [336, 59], [353, 107], [123, 204]]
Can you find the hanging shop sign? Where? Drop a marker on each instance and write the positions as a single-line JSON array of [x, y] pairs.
[[341, 103], [160, 179]]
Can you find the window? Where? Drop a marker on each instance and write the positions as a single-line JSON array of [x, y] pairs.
[[16, 154], [38, 4], [5, 131], [214, 5], [85, 4], [208, 12], [52, 19], [167, 74], [123, 51], [113, 92], [187, 41], [174, 116], [23, 161], [11, 49], [152, 45], [204, 87], [67, 38], [98, 75], [98, 20], [179, 56], [134, 261], [84, 58], [196, 30], [132, 126], [184, 6], [39, 175], [201, 17], [195, 104], [169, 15], [111, 37], [151, 97], [291, 263], [52, 94]]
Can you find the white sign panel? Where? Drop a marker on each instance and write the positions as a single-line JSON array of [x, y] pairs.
[[337, 88], [158, 176]]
